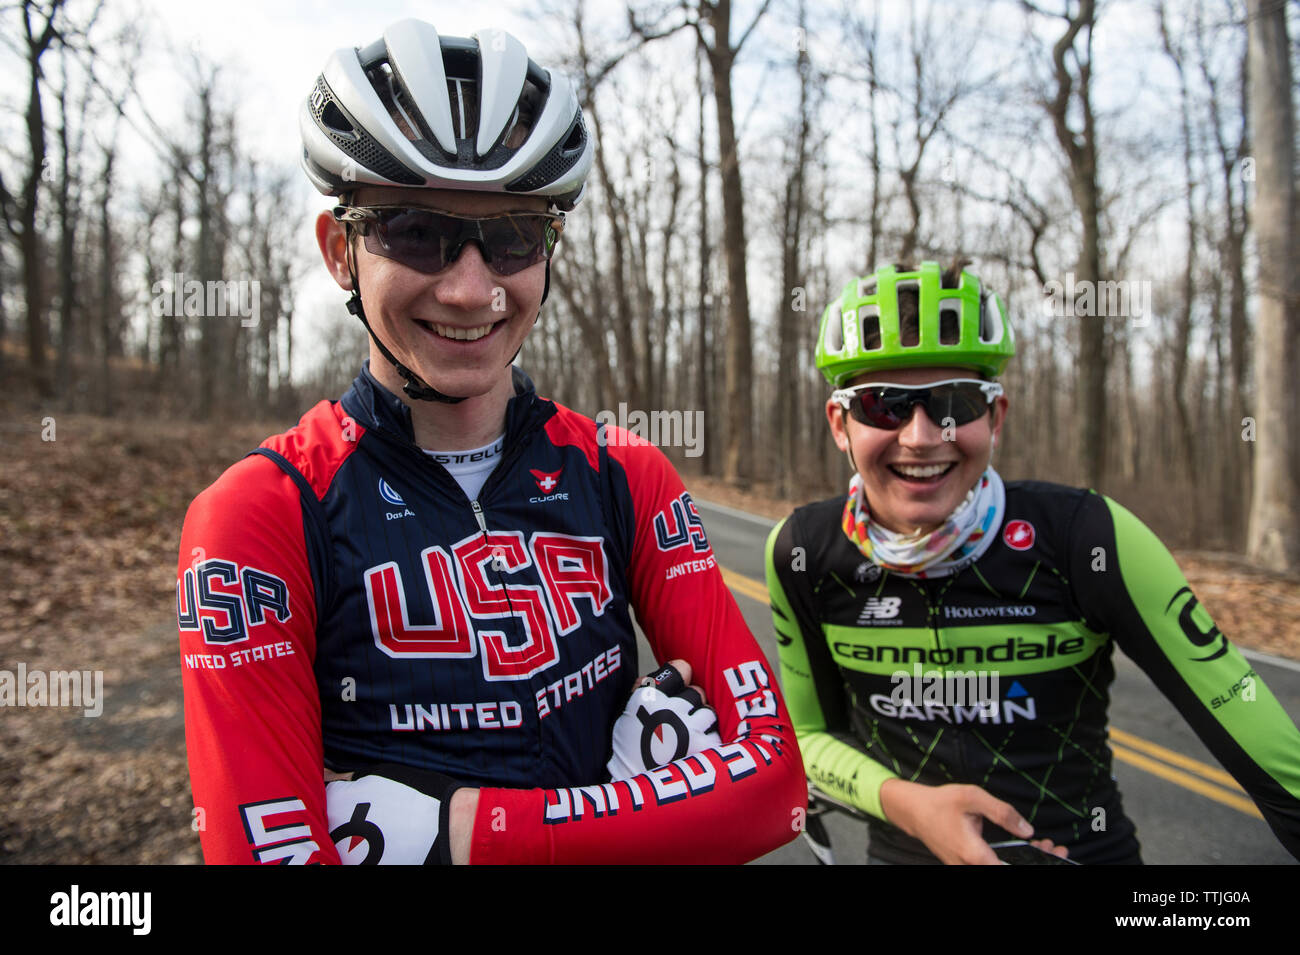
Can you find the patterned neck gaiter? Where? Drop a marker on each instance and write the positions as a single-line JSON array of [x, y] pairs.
[[961, 539]]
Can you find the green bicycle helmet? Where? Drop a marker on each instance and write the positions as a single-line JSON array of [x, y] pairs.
[[964, 326]]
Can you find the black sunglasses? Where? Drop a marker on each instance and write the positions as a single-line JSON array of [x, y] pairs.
[[429, 240], [956, 401]]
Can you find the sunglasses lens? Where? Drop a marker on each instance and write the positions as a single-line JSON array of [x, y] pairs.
[[963, 403], [515, 243], [889, 407], [880, 409], [417, 238], [429, 242]]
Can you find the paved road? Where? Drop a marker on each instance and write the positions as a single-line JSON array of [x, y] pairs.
[[1186, 809]]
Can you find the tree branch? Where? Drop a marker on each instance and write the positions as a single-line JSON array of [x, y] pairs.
[[750, 29]]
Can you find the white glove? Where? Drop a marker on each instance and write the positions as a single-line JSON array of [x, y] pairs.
[[662, 722], [391, 815]]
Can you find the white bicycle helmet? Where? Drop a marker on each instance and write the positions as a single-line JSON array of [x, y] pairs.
[[429, 112]]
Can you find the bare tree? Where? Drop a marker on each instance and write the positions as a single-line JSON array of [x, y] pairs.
[[930, 98], [873, 93], [66, 201], [704, 357], [42, 26], [793, 303], [1070, 97], [668, 232], [615, 216], [264, 252], [1273, 534], [1230, 388], [211, 182], [1182, 331], [711, 21]]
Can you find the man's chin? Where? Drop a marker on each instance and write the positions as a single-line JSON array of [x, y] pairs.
[[909, 520], [466, 386]]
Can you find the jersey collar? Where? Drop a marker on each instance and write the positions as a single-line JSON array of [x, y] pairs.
[[374, 406]]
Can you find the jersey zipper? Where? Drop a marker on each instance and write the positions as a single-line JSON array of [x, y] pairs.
[[933, 605], [498, 565], [478, 516]]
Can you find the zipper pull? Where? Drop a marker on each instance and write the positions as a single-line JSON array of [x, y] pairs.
[[498, 558], [478, 515]]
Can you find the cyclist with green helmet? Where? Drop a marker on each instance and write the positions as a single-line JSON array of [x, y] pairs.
[[946, 638]]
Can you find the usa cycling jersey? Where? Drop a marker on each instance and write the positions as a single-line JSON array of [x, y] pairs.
[[342, 603], [998, 675]]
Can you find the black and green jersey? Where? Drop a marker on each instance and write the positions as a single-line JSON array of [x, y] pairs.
[[998, 674]]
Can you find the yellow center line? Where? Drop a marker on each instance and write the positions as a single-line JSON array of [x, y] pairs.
[[1134, 756], [1187, 781], [1212, 773], [746, 585]]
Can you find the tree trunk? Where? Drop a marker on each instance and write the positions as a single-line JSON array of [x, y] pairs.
[[665, 309], [1230, 330], [873, 89], [1273, 533], [1183, 323], [738, 449], [34, 266], [107, 294], [623, 319], [67, 243], [210, 351], [703, 301], [1080, 149], [785, 395], [590, 324]]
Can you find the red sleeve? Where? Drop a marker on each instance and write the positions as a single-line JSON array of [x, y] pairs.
[[247, 618], [727, 805]]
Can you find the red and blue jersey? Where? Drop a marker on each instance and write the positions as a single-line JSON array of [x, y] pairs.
[[342, 603]]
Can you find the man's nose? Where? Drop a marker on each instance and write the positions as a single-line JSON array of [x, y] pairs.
[[467, 283], [919, 431]]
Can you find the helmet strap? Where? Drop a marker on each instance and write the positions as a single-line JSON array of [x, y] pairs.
[[545, 292], [414, 388], [848, 443]]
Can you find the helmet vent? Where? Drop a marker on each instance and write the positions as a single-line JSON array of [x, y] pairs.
[[990, 320], [394, 98], [354, 141], [333, 117], [525, 115], [464, 106], [949, 323], [909, 334], [577, 137], [555, 164], [869, 319], [909, 331]]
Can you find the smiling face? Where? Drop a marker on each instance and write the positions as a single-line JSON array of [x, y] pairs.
[[913, 477], [458, 329]]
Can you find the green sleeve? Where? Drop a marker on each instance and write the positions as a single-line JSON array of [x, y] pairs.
[[1126, 579], [814, 690]]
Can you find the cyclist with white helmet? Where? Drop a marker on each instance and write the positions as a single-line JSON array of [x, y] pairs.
[[946, 638], [426, 588]]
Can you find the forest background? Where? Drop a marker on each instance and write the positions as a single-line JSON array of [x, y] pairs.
[[1122, 172]]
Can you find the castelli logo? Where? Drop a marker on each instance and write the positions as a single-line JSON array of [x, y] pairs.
[[1019, 535]]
